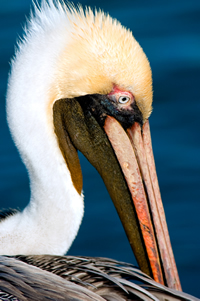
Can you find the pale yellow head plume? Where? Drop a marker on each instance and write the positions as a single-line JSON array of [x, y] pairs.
[[100, 54]]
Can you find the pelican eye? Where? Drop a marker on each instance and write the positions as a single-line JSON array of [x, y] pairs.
[[124, 99]]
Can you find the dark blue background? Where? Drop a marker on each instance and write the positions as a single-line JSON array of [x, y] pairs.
[[169, 32]]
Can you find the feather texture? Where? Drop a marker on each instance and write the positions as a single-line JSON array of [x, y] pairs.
[[81, 278]]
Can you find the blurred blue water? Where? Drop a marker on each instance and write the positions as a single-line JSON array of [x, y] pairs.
[[169, 32]]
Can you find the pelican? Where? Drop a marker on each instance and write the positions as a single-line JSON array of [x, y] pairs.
[[80, 81]]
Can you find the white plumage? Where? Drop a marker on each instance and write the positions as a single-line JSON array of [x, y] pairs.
[[50, 222]]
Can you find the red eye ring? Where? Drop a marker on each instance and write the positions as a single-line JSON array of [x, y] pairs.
[[122, 98]]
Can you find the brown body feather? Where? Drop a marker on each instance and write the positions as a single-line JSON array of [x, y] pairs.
[[81, 278]]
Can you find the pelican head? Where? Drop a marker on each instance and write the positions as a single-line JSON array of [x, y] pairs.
[[80, 81]]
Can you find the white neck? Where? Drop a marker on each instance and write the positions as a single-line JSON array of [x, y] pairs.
[[49, 224]]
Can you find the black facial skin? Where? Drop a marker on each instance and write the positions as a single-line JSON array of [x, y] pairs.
[[100, 106]]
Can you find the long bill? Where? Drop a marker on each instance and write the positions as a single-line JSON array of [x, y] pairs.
[[124, 159], [135, 156]]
